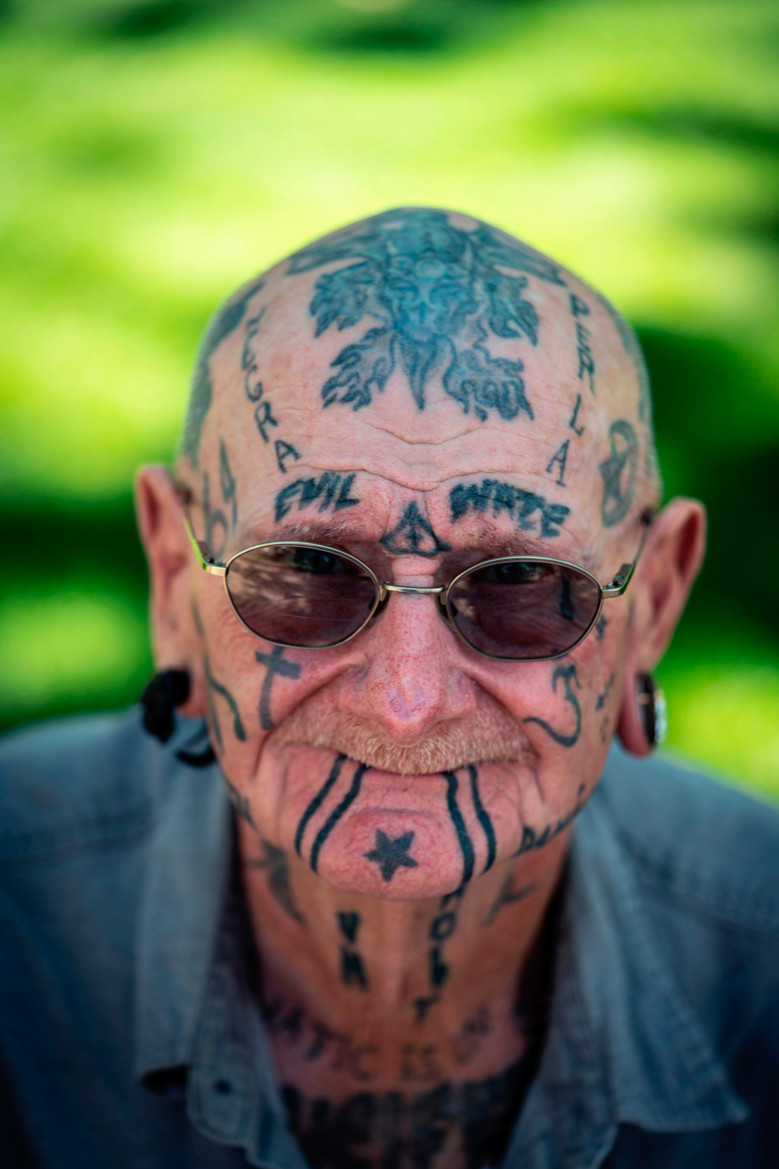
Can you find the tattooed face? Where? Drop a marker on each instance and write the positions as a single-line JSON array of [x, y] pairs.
[[424, 393]]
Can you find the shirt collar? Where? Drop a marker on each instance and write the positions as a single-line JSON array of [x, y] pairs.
[[197, 1022], [185, 881], [623, 1045]]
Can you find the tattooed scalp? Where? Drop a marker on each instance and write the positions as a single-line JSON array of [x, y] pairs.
[[440, 308]]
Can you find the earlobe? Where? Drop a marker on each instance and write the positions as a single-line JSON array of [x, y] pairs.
[[661, 586], [642, 721], [158, 511]]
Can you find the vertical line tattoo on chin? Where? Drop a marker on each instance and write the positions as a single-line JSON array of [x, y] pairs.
[[338, 812]]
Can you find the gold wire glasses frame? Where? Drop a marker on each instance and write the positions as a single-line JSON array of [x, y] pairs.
[[614, 587]]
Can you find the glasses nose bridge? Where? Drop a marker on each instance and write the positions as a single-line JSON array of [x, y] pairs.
[[423, 590], [437, 591]]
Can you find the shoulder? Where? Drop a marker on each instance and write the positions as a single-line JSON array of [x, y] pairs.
[[696, 838], [76, 781]]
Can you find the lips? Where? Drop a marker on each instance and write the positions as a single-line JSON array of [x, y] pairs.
[[490, 735]]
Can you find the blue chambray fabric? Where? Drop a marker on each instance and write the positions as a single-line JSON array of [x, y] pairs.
[[130, 1034]]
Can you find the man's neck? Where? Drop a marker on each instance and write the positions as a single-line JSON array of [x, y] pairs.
[[408, 991], [404, 1034]]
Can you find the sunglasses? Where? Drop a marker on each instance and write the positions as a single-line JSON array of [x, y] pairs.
[[300, 595]]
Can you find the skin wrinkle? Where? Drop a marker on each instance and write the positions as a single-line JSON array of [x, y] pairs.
[[406, 700]]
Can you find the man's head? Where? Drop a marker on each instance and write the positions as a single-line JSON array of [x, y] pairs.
[[423, 392]]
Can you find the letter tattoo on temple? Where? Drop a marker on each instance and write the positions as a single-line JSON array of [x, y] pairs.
[[227, 483], [215, 519], [578, 430], [559, 459], [566, 673], [618, 472], [414, 535], [580, 308], [255, 392], [437, 293]]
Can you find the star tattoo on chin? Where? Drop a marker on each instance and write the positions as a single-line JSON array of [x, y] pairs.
[[390, 855]]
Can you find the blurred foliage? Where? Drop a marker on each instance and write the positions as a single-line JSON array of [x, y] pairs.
[[155, 154]]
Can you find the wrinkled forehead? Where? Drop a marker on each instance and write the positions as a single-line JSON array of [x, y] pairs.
[[422, 356]]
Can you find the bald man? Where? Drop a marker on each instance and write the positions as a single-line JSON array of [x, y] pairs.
[[434, 927]]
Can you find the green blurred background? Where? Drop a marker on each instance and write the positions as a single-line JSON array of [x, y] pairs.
[[155, 154]]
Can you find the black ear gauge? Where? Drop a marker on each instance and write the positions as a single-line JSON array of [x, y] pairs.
[[652, 709], [167, 690]]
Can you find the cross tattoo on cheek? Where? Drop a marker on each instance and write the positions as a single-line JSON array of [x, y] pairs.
[[275, 664]]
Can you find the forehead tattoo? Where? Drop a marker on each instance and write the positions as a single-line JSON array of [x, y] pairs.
[[433, 297], [438, 293]]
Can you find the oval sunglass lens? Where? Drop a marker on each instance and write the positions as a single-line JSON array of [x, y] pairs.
[[523, 609], [300, 595]]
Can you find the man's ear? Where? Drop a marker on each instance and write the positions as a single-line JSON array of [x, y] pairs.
[[175, 642], [665, 574]]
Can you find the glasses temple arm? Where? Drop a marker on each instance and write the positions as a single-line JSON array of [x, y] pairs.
[[621, 579], [201, 550]]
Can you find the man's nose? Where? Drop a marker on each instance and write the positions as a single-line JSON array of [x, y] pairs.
[[412, 675]]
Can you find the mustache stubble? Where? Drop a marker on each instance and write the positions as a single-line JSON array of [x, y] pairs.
[[490, 734]]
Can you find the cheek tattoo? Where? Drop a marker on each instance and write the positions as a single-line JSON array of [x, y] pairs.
[[274, 663], [217, 688], [566, 673]]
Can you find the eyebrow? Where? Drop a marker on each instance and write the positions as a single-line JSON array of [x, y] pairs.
[[484, 541]]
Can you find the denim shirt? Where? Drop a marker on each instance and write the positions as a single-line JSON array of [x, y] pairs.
[[130, 1035]]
